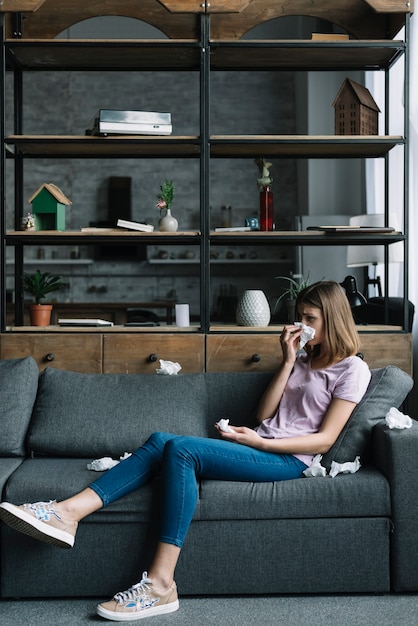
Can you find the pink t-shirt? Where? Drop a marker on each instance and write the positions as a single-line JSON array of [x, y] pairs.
[[309, 393]]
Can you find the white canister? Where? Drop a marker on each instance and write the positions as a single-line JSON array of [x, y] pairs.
[[182, 315]]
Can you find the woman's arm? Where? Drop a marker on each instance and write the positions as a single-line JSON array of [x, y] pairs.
[[334, 421], [289, 341]]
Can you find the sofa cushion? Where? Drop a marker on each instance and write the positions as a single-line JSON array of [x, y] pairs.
[[388, 388], [18, 385], [95, 415], [364, 494]]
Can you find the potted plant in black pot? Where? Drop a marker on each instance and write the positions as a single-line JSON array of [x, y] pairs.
[[39, 285], [295, 285]]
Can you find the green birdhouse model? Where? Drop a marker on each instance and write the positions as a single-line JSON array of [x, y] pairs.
[[48, 207]]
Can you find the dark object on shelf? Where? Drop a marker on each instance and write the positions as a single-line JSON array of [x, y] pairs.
[[141, 317], [355, 298], [356, 112], [373, 312]]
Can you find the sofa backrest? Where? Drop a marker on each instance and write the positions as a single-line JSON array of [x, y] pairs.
[[18, 385], [96, 415], [235, 395]]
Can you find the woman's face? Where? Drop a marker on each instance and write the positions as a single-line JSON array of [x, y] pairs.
[[311, 316]]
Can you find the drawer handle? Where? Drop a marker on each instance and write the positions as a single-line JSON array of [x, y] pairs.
[[50, 357], [152, 358], [256, 358]]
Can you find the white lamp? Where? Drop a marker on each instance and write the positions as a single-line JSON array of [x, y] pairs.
[[358, 256]]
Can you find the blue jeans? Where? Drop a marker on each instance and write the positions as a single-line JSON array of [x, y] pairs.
[[183, 460]]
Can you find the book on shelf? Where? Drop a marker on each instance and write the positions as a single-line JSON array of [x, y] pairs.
[[234, 229], [146, 228], [362, 230], [83, 322]]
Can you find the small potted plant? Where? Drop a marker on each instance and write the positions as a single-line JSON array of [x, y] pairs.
[[294, 286], [39, 285], [167, 223]]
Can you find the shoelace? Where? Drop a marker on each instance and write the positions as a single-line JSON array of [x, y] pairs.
[[132, 593], [43, 510]]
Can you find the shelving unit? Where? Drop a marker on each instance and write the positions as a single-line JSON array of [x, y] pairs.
[[204, 38]]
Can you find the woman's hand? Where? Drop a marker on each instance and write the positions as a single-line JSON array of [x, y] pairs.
[[289, 341], [243, 435]]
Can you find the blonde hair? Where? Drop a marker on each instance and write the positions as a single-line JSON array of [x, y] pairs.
[[341, 336]]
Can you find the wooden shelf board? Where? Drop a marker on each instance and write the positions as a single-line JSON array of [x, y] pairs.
[[165, 54], [221, 146], [304, 238], [83, 146], [305, 54], [103, 54], [56, 237], [104, 330], [277, 328], [303, 146]]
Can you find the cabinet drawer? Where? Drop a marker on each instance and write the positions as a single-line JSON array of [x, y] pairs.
[[243, 353], [381, 349], [77, 353], [141, 353]]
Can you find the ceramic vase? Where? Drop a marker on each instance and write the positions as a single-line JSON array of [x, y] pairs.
[[253, 309], [168, 223]]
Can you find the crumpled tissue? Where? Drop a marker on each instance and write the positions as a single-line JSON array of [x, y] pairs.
[[396, 419], [106, 463], [168, 368], [224, 425], [308, 333], [351, 467], [316, 469]]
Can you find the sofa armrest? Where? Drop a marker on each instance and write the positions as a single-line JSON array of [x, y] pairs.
[[395, 453]]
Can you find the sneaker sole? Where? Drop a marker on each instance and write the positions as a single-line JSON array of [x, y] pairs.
[[130, 617], [25, 523]]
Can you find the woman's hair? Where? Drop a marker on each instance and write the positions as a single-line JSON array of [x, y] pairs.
[[341, 337]]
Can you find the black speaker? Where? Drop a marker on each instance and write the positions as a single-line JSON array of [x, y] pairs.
[[119, 198]]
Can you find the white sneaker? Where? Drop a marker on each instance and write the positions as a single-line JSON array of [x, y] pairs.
[[140, 601], [41, 521]]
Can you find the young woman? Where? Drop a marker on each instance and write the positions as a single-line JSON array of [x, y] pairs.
[[301, 414]]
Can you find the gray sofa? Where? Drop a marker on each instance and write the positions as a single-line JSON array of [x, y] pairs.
[[352, 533]]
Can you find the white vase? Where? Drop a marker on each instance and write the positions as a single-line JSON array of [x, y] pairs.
[[253, 309], [168, 223]]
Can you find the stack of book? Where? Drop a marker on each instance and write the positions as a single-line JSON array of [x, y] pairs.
[[112, 122]]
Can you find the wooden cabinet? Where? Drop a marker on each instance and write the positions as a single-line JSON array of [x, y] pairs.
[[237, 352], [74, 352], [241, 352], [381, 349], [140, 353]]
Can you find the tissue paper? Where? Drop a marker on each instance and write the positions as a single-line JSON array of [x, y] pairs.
[[345, 468], [106, 463], [396, 419], [100, 465], [224, 425], [315, 469], [308, 333], [168, 368]]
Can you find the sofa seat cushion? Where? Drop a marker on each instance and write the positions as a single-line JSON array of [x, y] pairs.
[[7, 467], [56, 479], [364, 494], [90, 415], [18, 385]]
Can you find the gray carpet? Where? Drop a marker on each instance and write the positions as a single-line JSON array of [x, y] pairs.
[[356, 610]]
